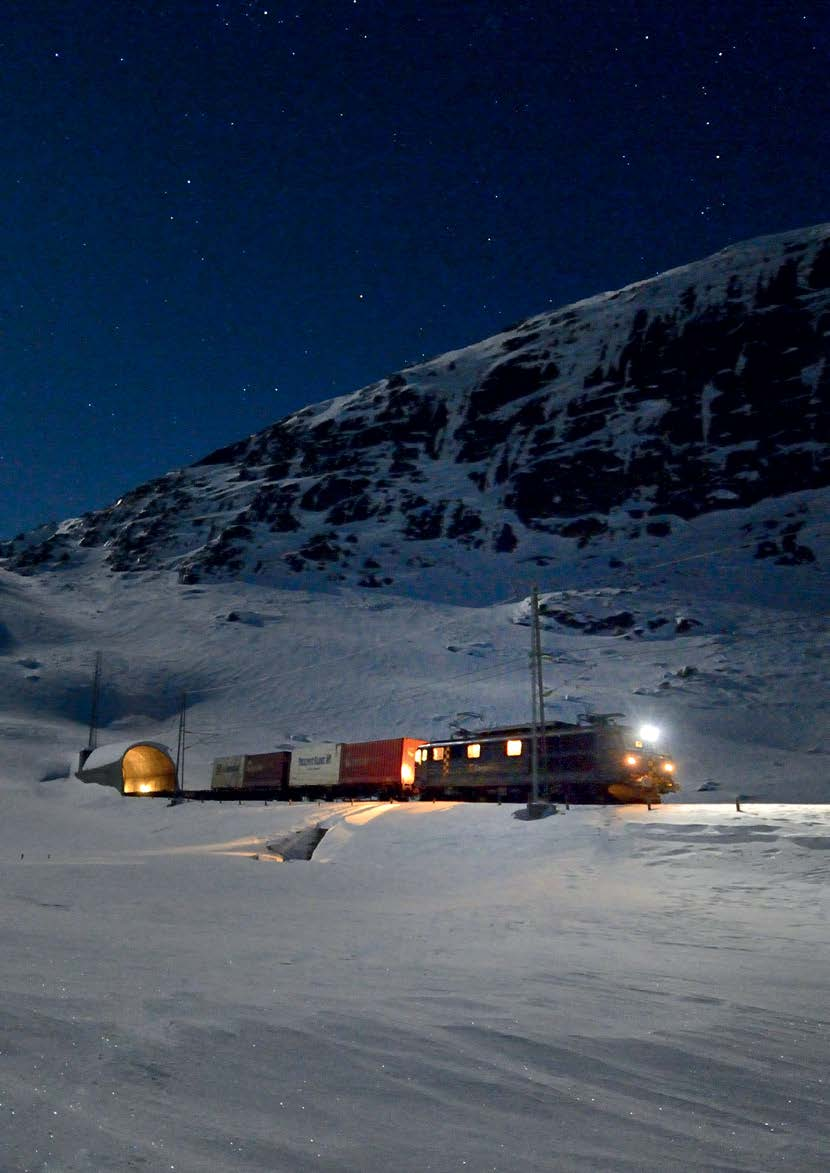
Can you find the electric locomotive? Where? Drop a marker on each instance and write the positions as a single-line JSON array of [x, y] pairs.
[[597, 761]]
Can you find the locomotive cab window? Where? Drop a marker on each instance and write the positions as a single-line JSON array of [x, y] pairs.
[[513, 749], [438, 753], [473, 751]]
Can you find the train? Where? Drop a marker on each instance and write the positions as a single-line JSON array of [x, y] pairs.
[[594, 761]]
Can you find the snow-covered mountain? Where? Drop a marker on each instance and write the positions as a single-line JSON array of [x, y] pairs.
[[625, 415], [656, 459]]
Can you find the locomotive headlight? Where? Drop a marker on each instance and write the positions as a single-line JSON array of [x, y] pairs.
[[668, 767], [632, 760], [649, 734]]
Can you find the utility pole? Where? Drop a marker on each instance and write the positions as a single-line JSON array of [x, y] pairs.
[[542, 753], [93, 715], [181, 746], [538, 747], [534, 704]]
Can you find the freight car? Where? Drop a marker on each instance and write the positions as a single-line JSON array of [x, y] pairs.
[[595, 762], [256, 775], [325, 769]]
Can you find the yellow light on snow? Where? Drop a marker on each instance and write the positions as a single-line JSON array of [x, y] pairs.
[[514, 749]]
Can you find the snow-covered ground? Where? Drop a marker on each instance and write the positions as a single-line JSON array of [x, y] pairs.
[[441, 987]]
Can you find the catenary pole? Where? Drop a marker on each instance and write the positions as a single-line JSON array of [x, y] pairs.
[[534, 695], [180, 746], [96, 695], [541, 753]]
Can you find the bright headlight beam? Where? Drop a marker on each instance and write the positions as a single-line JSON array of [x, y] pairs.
[[649, 733]]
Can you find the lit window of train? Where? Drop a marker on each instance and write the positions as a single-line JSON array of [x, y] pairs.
[[513, 749], [474, 751]]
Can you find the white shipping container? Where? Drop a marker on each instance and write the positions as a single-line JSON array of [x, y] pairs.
[[227, 772], [315, 764]]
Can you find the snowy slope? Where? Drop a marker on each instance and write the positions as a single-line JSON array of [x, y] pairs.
[[726, 652]]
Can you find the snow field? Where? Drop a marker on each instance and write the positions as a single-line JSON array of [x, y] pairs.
[[441, 987]]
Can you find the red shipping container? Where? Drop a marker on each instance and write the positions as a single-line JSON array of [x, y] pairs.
[[379, 763]]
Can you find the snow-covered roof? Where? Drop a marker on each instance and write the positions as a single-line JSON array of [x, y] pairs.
[[108, 755]]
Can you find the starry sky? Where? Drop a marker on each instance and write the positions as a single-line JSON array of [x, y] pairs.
[[216, 212]]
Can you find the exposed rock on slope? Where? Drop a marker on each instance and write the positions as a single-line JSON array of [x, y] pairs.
[[699, 390]]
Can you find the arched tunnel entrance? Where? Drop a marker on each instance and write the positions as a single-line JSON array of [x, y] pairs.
[[132, 767], [147, 770]]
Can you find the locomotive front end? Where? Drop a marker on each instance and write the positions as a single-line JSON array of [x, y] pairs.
[[647, 774]]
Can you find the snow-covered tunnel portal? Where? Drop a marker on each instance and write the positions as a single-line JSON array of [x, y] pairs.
[[137, 767]]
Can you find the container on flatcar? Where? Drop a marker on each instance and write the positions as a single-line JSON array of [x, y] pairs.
[[315, 765], [256, 771], [386, 766], [267, 770], [227, 772]]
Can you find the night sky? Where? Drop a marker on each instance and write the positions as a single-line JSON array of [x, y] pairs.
[[215, 213]]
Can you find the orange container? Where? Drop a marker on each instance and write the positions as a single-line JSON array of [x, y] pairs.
[[388, 763]]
